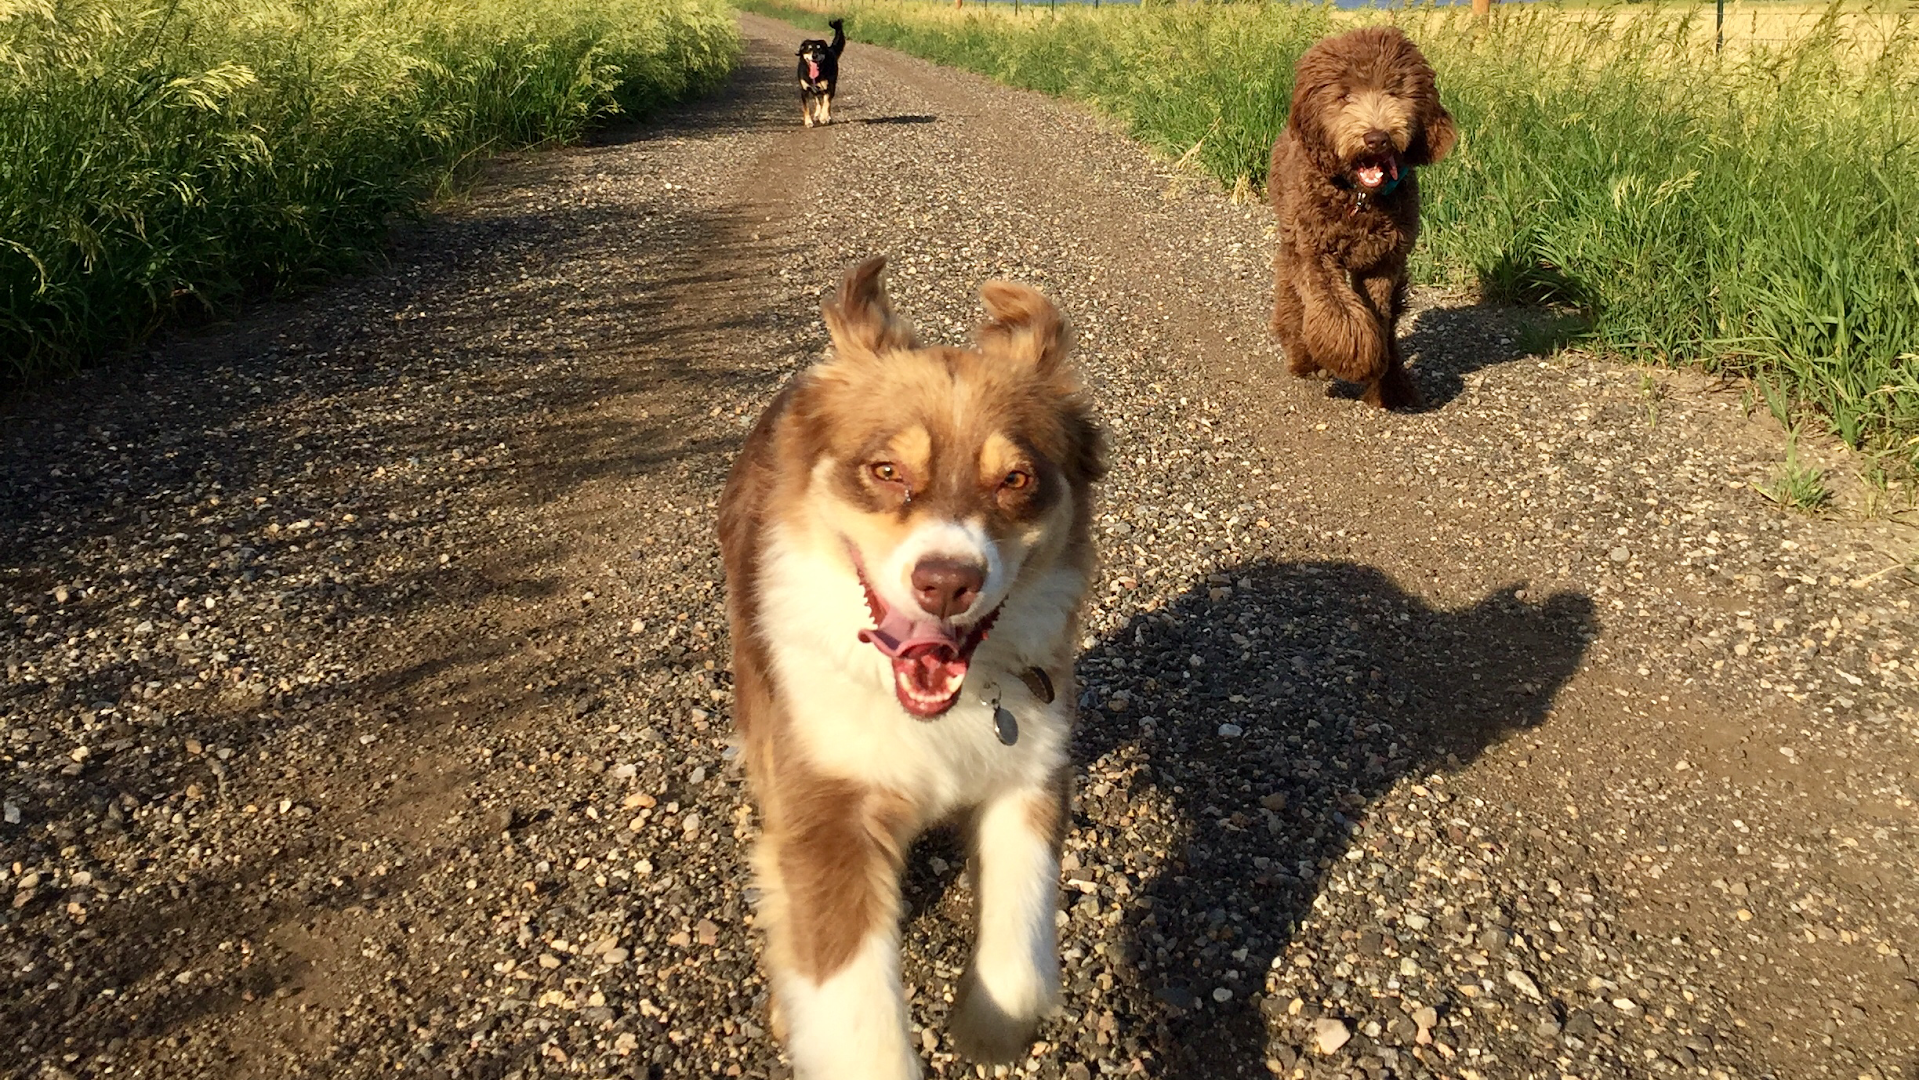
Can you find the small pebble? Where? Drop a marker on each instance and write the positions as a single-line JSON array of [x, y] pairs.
[[1330, 1034]]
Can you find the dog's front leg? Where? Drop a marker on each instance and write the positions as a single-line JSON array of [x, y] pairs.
[[832, 920], [1343, 333], [1394, 389], [1014, 977]]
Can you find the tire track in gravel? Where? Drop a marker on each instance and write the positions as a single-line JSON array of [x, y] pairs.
[[420, 761]]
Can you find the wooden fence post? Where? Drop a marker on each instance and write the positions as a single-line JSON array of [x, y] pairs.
[[1482, 9]]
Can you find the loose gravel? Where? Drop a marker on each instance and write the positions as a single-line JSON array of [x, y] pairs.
[[366, 705]]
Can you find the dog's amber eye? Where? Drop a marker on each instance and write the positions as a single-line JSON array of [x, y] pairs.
[[885, 472], [1017, 480]]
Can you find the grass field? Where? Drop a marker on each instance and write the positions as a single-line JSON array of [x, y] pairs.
[[160, 160], [1749, 213]]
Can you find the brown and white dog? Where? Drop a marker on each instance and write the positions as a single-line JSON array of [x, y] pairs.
[[907, 546]]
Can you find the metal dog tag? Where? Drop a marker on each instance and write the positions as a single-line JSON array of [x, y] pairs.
[[1040, 683], [1005, 725]]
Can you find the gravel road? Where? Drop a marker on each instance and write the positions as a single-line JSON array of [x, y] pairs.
[[366, 705]]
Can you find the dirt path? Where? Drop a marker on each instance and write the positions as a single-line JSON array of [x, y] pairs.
[[366, 709]]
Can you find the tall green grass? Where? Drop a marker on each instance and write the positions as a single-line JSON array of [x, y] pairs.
[[1753, 213], [165, 157]]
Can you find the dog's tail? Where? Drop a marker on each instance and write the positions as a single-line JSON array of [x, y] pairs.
[[839, 37]]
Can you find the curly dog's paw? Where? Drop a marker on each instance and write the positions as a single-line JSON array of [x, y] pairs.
[[1394, 390]]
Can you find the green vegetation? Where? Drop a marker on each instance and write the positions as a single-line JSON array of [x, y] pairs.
[[164, 159], [1752, 213], [1797, 485]]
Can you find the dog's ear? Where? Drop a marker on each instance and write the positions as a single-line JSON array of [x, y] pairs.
[[1437, 135], [1023, 325], [1313, 78], [861, 319]]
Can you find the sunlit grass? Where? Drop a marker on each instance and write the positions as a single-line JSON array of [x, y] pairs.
[[166, 159], [1797, 485]]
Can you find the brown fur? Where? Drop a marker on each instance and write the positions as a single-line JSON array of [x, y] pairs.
[[1340, 269]]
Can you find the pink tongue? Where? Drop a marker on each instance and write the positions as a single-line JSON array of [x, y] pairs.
[[898, 633], [812, 70], [927, 666]]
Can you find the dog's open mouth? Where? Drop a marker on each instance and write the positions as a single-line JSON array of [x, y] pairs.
[[930, 657], [1373, 173], [813, 70]]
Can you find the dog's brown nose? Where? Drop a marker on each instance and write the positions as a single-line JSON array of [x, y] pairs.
[[946, 587], [1378, 142]]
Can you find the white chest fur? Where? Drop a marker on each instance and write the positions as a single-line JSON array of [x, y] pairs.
[[839, 691]]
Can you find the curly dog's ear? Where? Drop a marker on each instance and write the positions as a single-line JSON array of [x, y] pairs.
[[1437, 135], [1437, 132], [1316, 76]]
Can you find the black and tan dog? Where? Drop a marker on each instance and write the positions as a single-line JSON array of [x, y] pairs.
[[820, 74]]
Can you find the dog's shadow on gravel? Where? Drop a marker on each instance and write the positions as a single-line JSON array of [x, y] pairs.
[[1447, 344], [1337, 686]]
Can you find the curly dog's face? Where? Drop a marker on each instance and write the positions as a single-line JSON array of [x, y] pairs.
[[1365, 107]]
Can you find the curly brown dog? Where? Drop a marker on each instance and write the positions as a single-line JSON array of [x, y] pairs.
[[1365, 115]]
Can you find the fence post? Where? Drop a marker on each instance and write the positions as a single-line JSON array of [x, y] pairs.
[[1719, 27], [1483, 9]]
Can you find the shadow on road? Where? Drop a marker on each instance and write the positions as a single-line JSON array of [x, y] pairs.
[[1446, 344], [1340, 685], [303, 463]]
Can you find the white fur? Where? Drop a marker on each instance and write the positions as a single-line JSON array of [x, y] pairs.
[[964, 541], [1015, 961], [846, 720], [853, 1025], [844, 710]]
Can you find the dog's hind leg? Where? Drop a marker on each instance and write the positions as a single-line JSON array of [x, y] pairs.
[[1014, 976], [830, 905], [1288, 315]]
